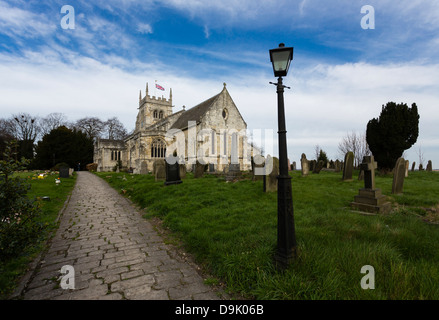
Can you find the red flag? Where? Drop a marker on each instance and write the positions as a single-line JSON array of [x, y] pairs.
[[159, 87]]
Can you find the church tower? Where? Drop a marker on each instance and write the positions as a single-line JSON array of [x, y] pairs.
[[152, 109]]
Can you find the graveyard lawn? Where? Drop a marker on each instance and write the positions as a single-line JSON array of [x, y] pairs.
[[41, 186], [231, 229]]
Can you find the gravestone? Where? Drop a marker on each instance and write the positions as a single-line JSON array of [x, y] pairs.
[[421, 167], [312, 165], [182, 168], [429, 166], [199, 170], [294, 166], [304, 164], [258, 167], [407, 163], [318, 166], [234, 172], [348, 166], [370, 198], [337, 165], [331, 164], [143, 168], [413, 166], [270, 179], [159, 170], [361, 175], [172, 174], [63, 172], [398, 176], [289, 165]]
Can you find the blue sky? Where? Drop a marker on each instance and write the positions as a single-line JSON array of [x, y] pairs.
[[341, 74]]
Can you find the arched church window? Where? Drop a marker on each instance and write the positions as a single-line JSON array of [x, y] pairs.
[[158, 149], [161, 115], [155, 114]]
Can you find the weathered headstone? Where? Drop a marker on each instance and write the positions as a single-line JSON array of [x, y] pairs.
[[348, 166], [159, 170], [294, 166], [407, 164], [304, 164], [413, 166], [172, 174], [398, 176], [270, 179], [182, 168], [337, 165], [258, 164], [312, 165], [289, 165], [361, 175], [234, 172], [429, 166], [199, 170], [421, 167], [331, 165], [318, 166], [143, 167], [63, 172], [370, 198]]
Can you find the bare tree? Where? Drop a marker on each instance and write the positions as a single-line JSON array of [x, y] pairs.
[[25, 127], [357, 144], [317, 151], [115, 130], [53, 121], [91, 126], [421, 157]]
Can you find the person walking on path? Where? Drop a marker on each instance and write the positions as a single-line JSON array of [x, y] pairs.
[[105, 250]]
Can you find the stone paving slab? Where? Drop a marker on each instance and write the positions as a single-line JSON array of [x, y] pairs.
[[115, 253]]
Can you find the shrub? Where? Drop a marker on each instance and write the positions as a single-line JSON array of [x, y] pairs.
[[18, 226]]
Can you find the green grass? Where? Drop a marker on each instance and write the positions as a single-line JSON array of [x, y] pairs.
[[12, 270], [231, 228]]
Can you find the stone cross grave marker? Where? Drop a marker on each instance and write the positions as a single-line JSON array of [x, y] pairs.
[[398, 176], [368, 166], [370, 198]]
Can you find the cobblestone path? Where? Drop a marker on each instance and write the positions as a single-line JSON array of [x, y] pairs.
[[114, 252]]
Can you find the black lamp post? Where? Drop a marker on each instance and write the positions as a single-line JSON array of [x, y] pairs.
[[286, 235]]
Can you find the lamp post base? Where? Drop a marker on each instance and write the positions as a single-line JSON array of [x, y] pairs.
[[283, 261]]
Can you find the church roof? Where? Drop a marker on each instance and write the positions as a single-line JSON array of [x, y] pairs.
[[194, 114]]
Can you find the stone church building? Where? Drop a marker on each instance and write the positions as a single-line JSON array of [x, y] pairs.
[[212, 132]]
